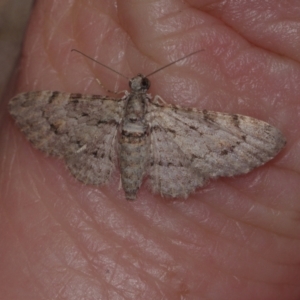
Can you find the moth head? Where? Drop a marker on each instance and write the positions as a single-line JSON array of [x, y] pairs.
[[139, 83]]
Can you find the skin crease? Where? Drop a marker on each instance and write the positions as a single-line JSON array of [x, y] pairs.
[[237, 238]]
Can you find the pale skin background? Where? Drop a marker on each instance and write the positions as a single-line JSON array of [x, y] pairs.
[[237, 238]]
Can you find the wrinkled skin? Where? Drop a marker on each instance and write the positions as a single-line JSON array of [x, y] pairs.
[[237, 238]]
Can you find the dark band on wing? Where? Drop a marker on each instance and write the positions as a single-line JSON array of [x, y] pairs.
[[54, 95]]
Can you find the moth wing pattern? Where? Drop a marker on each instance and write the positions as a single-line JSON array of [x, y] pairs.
[[189, 146], [80, 128]]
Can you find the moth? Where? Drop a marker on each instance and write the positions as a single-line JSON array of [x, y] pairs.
[[176, 149]]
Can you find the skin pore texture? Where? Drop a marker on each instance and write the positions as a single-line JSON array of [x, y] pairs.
[[236, 238]]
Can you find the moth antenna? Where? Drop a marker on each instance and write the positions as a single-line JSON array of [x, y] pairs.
[[103, 65], [175, 61]]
